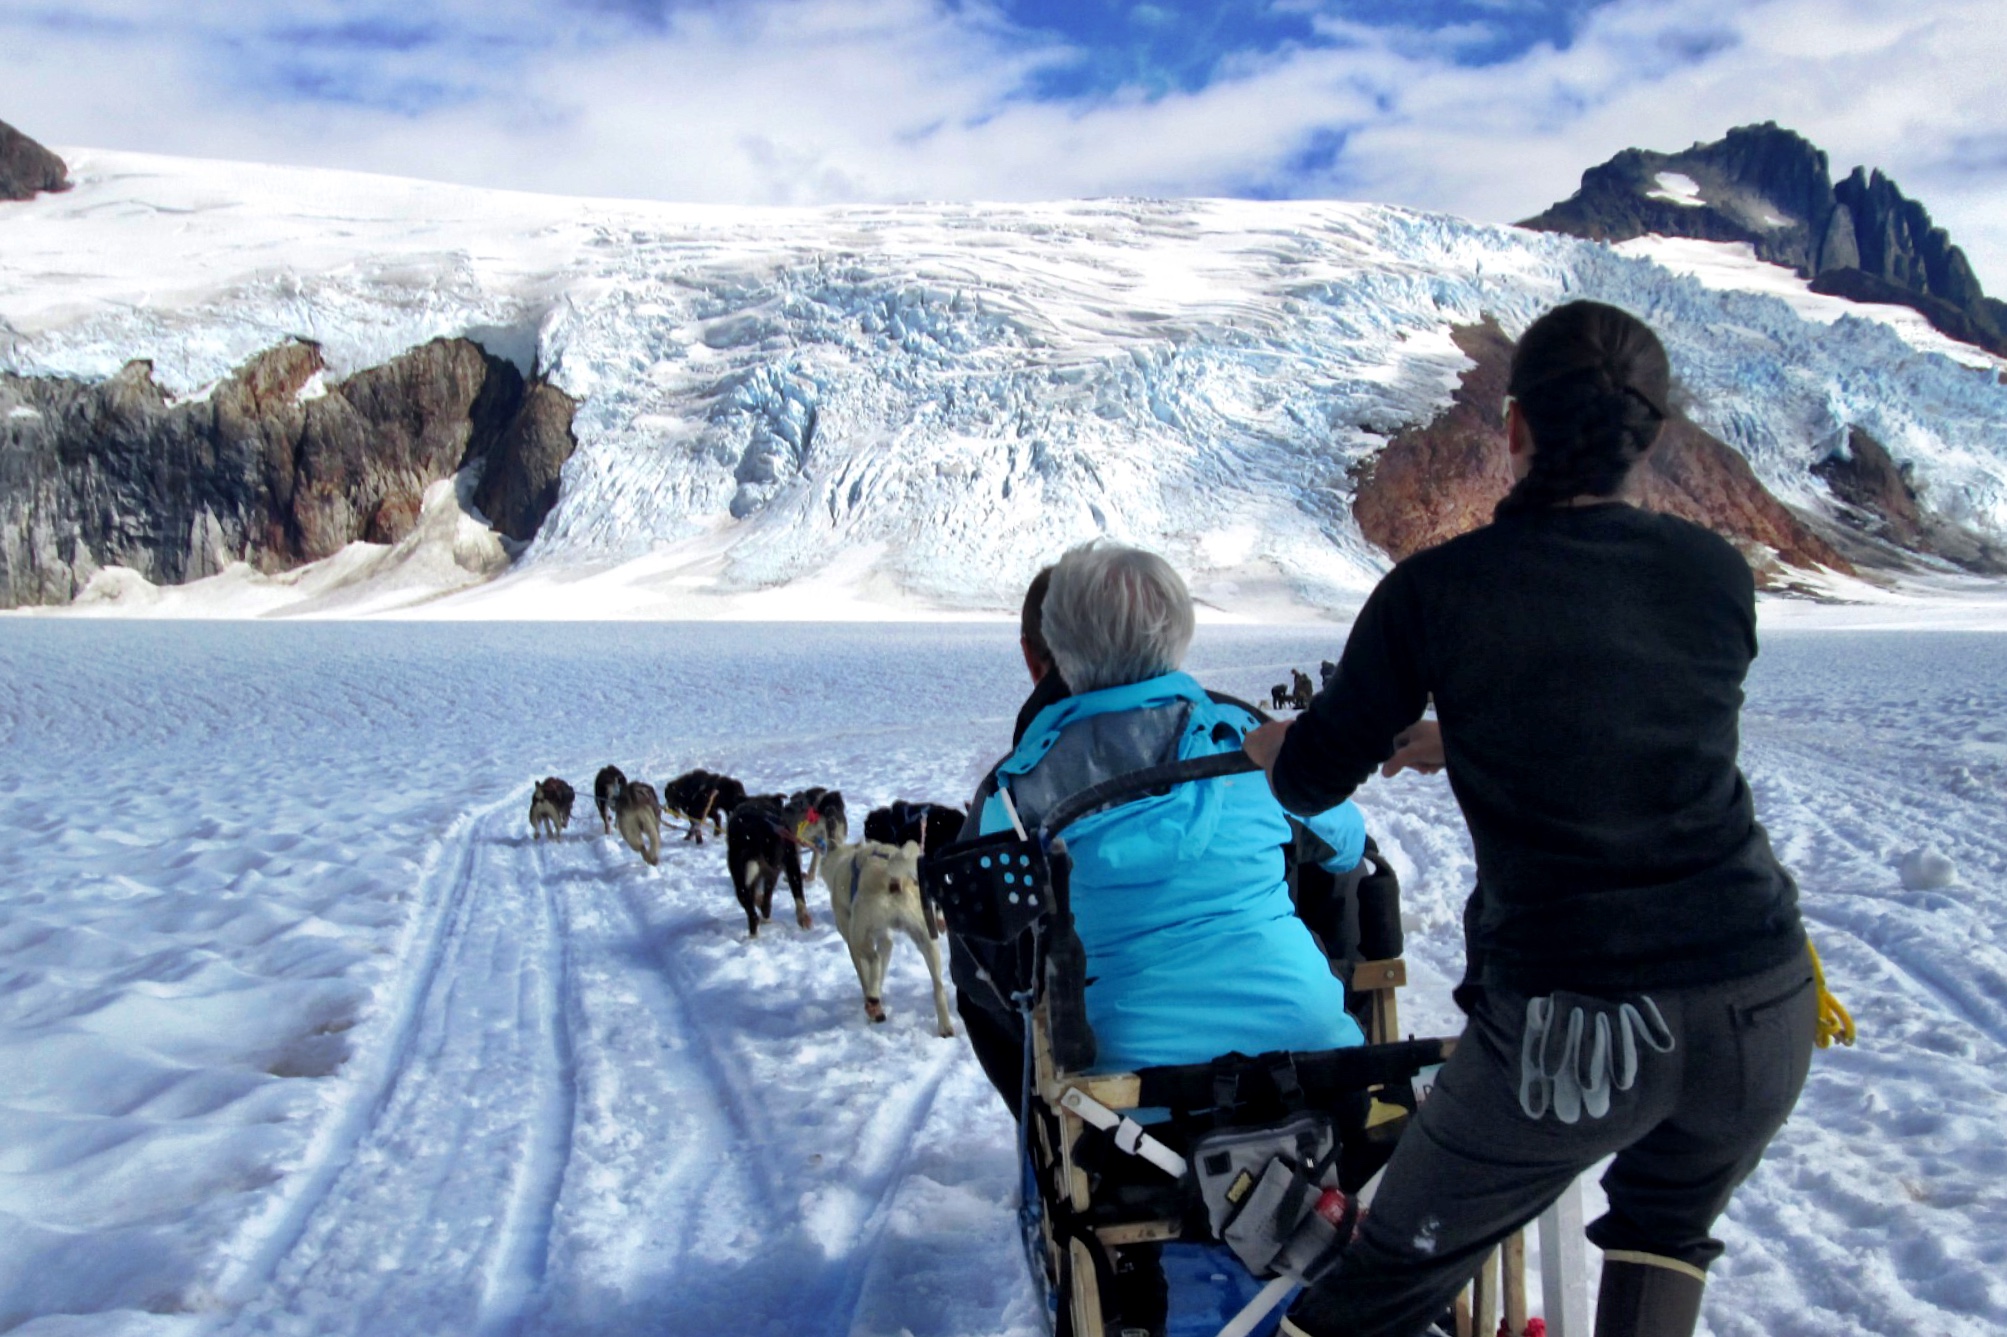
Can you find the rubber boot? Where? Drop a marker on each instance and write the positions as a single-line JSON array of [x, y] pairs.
[[1645, 1295]]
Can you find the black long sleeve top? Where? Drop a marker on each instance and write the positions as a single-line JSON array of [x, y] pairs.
[[1587, 667]]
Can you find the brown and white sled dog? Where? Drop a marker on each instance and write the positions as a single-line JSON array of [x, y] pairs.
[[874, 892], [550, 807], [638, 814]]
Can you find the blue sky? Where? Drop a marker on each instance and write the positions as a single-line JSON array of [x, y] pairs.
[[1488, 108], [1156, 46]]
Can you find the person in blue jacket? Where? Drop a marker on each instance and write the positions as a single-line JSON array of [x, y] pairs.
[[1193, 945]]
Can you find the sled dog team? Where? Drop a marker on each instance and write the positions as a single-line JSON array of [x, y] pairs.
[[874, 884]]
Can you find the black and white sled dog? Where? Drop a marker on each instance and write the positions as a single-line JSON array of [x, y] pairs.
[[550, 807], [604, 786], [702, 796], [874, 892], [931, 824], [760, 848], [638, 813]]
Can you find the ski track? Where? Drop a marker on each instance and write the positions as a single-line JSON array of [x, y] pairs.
[[1899, 1140], [583, 1102]]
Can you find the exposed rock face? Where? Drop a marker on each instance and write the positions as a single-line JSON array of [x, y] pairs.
[[1864, 477], [26, 167], [520, 484], [1760, 184], [1878, 499], [276, 465], [1440, 479], [1699, 477], [1757, 184]]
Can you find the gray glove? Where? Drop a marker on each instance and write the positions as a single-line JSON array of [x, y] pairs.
[[1555, 1072]]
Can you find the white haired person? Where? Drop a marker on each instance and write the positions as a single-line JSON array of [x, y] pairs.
[[1193, 946]]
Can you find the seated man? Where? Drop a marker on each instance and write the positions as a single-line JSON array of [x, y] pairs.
[[1193, 946]]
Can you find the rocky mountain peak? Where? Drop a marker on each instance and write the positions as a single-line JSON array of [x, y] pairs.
[[1772, 189], [26, 168]]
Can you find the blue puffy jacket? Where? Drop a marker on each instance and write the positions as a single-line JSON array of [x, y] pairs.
[[1193, 946]]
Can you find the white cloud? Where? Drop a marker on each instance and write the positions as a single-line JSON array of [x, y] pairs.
[[801, 101]]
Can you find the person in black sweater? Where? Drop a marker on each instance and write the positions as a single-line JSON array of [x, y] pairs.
[[1638, 980]]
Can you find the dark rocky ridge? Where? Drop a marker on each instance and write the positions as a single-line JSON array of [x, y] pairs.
[[262, 469], [1861, 239], [1878, 501], [1436, 480], [26, 168]]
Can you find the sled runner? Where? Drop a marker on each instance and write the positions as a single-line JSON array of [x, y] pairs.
[[1185, 1200]]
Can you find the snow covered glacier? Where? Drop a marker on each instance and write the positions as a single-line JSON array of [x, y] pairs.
[[915, 406]]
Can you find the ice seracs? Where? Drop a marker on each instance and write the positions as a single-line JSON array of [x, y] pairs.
[[909, 408]]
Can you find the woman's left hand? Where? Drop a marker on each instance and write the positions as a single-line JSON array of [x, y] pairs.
[[1265, 744]]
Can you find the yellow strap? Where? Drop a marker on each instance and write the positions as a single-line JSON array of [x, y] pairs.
[[1835, 1022]]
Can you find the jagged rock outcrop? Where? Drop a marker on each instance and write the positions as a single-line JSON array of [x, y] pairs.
[[276, 465], [1437, 480], [519, 484], [1770, 187], [26, 168], [1441, 478], [1878, 498]]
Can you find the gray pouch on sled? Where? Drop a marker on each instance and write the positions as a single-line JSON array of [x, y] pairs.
[[1260, 1186]]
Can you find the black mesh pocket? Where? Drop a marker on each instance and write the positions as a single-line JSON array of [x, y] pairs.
[[991, 889]]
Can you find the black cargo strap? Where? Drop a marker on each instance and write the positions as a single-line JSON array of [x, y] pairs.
[[1319, 1080]]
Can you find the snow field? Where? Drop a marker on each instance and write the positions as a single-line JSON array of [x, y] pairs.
[[304, 1034]]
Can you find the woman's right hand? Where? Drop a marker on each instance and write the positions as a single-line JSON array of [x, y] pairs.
[[1419, 747]]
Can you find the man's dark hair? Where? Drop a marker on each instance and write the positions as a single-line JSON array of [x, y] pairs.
[[1591, 382], [1031, 622]]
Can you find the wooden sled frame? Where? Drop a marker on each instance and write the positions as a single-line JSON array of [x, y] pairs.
[[1074, 1268]]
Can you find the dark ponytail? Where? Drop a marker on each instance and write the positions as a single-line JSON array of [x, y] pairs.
[[1591, 382]]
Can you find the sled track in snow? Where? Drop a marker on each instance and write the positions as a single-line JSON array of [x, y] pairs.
[[567, 1098], [830, 1295], [429, 1204], [521, 1262], [449, 870], [1890, 1134], [1891, 926]]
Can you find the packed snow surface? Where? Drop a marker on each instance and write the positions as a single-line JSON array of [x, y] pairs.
[[874, 410], [301, 1033]]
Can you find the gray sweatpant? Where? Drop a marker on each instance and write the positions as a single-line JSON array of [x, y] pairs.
[[1473, 1167]]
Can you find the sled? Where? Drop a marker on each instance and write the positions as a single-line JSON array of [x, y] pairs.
[[1110, 1199]]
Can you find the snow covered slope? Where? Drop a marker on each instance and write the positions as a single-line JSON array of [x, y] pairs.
[[913, 407]]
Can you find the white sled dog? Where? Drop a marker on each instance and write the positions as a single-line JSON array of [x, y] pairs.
[[874, 891], [638, 814]]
